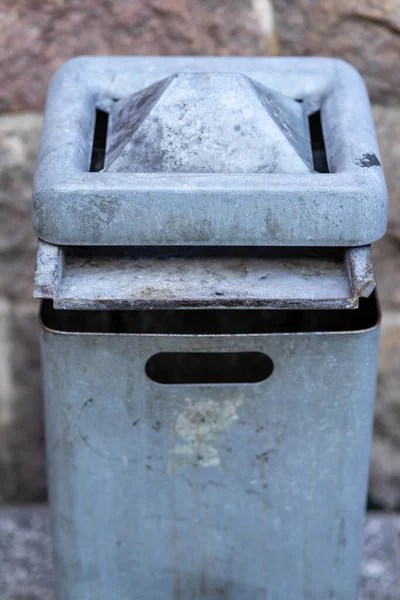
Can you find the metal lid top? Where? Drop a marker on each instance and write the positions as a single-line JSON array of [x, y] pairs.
[[209, 151]]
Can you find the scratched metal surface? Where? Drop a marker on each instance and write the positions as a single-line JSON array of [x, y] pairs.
[[232, 277], [208, 491], [161, 205]]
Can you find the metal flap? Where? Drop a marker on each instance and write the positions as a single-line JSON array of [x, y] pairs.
[[109, 278]]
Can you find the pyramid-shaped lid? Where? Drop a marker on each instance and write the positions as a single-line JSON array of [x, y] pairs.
[[208, 123]]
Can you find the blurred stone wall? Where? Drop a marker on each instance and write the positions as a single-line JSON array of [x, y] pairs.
[[37, 37], [367, 34]]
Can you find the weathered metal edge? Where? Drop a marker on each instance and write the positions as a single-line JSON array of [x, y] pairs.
[[68, 210], [361, 271], [128, 209], [49, 272], [248, 303]]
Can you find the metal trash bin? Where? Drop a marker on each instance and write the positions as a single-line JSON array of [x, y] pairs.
[[210, 326]]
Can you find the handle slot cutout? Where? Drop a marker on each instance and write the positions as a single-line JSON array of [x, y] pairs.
[[209, 367]]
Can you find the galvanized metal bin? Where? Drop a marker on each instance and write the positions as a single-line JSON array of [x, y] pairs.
[[209, 369]]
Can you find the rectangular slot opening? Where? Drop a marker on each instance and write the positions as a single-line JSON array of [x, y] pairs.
[[204, 368], [318, 143], [99, 141], [162, 253], [210, 321]]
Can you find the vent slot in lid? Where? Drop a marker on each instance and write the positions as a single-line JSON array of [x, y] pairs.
[[318, 143], [99, 141]]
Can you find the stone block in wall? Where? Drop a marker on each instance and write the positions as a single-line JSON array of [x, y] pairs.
[[22, 465], [21, 422], [38, 37], [384, 485], [19, 141], [385, 460], [387, 250], [364, 32], [387, 123]]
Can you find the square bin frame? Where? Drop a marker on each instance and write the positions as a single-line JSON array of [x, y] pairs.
[[345, 207]]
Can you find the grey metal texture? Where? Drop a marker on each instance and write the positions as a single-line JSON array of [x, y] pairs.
[[208, 123], [26, 569], [123, 278], [164, 206], [239, 491]]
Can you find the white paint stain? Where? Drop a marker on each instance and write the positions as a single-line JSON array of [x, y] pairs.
[[200, 426]]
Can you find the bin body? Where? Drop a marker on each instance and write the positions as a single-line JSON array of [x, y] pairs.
[[204, 229], [236, 491]]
